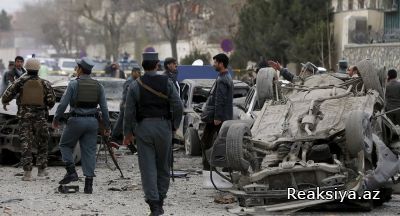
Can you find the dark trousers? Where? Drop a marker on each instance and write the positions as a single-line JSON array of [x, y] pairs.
[[395, 117], [117, 130], [153, 138], [207, 140]]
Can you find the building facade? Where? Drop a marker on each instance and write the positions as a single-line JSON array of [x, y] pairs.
[[357, 22]]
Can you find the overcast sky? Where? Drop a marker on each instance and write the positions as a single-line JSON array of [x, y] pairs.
[[12, 5]]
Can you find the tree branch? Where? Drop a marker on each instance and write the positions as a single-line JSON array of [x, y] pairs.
[[90, 16]]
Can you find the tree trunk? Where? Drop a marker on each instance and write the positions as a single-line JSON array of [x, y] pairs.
[[115, 41], [107, 44], [108, 49], [174, 42]]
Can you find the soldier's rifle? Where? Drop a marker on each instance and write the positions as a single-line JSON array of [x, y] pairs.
[[109, 144]]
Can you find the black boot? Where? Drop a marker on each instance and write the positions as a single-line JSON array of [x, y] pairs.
[[155, 207], [88, 185], [70, 176], [132, 148], [161, 205]]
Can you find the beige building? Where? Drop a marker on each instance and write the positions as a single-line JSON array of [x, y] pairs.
[[356, 22]]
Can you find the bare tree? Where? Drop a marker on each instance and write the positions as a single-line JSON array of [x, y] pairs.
[[54, 23], [112, 16], [171, 16], [221, 21]]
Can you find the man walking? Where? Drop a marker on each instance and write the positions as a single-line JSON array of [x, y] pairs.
[[393, 96], [151, 103], [220, 102], [35, 98], [82, 95], [117, 132]]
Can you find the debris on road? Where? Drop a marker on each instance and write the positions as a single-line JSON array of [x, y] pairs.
[[11, 200], [227, 199]]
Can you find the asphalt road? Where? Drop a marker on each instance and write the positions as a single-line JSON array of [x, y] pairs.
[[115, 196]]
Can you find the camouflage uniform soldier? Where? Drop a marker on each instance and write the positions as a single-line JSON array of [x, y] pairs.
[[35, 97]]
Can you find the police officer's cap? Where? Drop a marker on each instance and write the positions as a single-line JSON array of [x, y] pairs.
[[150, 56], [86, 63]]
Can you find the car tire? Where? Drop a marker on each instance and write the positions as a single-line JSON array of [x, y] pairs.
[[385, 195], [357, 130], [234, 146], [192, 142], [265, 85], [76, 154], [371, 76]]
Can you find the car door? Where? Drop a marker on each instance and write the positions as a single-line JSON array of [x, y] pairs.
[[249, 105], [185, 97]]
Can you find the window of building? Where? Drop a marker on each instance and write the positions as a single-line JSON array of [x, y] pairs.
[[372, 4], [350, 5], [361, 4], [339, 6]]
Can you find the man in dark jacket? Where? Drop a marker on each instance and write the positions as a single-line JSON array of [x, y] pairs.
[[221, 99], [171, 71], [116, 71], [393, 96], [117, 132], [18, 69]]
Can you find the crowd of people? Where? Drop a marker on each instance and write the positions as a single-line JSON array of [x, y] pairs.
[[150, 114]]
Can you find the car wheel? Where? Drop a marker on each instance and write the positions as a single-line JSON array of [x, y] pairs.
[[192, 142], [371, 76], [358, 132], [385, 195], [235, 147], [265, 85], [76, 154]]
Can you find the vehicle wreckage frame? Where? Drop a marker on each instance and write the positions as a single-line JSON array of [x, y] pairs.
[[328, 132]]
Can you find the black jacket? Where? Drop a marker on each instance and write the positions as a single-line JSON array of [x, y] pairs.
[[222, 97], [15, 74], [120, 74], [173, 77], [392, 95]]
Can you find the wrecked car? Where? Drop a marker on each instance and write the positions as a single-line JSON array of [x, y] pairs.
[[322, 133], [194, 93], [10, 147]]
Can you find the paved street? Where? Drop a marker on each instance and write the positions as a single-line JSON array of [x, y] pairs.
[[186, 196]]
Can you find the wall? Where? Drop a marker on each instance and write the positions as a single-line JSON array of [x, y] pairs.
[[387, 54]]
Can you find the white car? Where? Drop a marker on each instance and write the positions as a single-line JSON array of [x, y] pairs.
[[67, 65]]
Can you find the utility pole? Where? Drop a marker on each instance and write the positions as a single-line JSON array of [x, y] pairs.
[[328, 32]]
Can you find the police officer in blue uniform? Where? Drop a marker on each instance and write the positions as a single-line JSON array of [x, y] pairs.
[[83, 95], [153, 110]]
